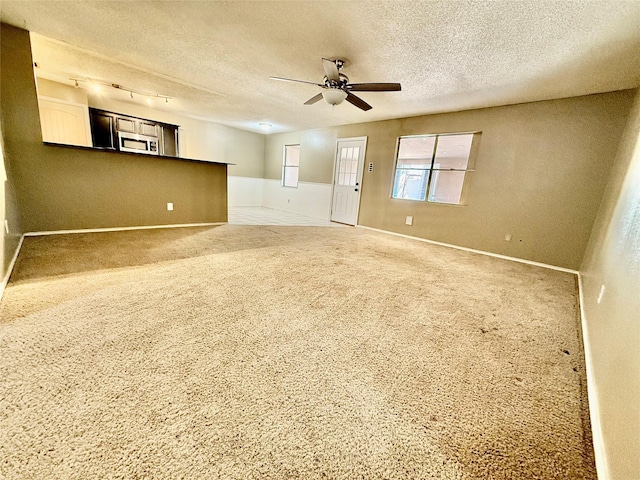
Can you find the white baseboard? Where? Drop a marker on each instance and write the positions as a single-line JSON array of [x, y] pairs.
[[481, 252], [12, 264], [120, 229], [602, 466]]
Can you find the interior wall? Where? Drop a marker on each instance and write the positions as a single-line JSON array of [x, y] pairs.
[[63, 188], [201, 140], [312, 196], [11, 230], [611, 318], [49, 88], [539, 174]]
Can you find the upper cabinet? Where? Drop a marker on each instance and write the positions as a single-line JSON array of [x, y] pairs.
[[114, 131], [170, 140], [102, 129], [64, 122], [148, 128]]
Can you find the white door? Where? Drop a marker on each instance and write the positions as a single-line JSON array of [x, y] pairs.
[[347, 180], [64, 122]]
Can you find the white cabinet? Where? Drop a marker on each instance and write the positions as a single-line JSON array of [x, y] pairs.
[[64, 122]]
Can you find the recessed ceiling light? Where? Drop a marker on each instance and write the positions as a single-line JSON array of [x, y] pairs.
[[265, 126]]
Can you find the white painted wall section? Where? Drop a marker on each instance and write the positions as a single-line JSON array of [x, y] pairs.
[[245, 191], [310, 199]]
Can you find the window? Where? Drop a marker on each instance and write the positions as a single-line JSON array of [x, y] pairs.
[[432, 167], [290, 165]]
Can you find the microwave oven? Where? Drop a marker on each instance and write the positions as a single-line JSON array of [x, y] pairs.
[[133, 142]]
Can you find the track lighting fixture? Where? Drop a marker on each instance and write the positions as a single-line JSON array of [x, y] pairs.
[[96, 86]]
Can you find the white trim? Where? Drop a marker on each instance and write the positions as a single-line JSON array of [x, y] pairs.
[[120, 229], [353, 139], [5, 280], [315, 183], [59, 100], [481, 252], [602, 468]]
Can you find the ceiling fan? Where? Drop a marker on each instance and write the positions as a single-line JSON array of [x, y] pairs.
[[336, 86]]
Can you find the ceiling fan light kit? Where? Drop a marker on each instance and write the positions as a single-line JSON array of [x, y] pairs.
[[334, 96], [337, 89]]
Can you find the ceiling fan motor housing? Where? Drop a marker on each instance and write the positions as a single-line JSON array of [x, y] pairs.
[[339, 84]]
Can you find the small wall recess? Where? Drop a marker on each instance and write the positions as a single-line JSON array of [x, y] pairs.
[[170, 206]]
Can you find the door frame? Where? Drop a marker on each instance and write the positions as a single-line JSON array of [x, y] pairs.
[[360, 174]]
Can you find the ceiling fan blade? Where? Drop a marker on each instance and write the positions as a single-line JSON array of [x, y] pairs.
[[331, 70], [358, 102], [314, 99], [374, 87], [296, 81]]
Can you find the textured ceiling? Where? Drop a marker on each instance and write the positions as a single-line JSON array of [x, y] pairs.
[[215, 58]]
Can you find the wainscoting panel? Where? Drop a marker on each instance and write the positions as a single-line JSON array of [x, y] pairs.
[[311, 199], [244, 191]]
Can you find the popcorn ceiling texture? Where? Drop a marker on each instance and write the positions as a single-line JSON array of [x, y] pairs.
[[215, 58], [286, 352]]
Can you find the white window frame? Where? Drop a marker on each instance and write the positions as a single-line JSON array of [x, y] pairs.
[[432, 171], [286, 165]]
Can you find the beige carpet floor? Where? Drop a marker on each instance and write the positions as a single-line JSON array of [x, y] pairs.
[[242, 352]]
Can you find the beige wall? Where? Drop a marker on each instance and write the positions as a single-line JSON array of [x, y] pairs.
[[540, 174], [613, 325], [8, 240], [59, 187], [316, 154], [49, 88]]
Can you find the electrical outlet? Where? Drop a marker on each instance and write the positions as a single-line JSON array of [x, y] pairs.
[[170, 206], [409, 220], [507, 237]]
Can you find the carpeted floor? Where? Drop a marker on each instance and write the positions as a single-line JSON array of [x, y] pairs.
[[243, 352]]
